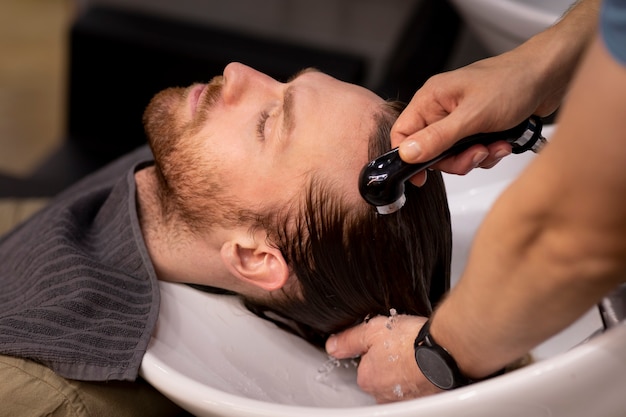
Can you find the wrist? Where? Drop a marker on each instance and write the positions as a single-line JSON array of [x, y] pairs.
[[466, 346], [553, 55], [436, 363]]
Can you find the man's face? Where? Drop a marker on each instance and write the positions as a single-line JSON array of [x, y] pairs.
[[251, 139]]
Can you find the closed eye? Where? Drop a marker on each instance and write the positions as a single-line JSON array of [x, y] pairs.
[[260, 126]]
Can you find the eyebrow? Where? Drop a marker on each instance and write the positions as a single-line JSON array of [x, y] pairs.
[[289, 102], [288, 111]]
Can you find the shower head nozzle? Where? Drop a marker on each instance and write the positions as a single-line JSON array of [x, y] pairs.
[[381, 182]]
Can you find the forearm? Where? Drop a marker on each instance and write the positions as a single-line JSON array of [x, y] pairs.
[[554, 242], [553, 55]]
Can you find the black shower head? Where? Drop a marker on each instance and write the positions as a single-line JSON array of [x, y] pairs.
[[381, 182]]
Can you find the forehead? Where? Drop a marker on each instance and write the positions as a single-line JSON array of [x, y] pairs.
[[340, 125], [338, 104], [323, 81]]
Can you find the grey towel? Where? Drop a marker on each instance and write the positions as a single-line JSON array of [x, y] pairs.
[[78, 290]]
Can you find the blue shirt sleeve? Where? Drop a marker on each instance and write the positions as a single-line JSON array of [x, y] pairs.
[[613, 28]]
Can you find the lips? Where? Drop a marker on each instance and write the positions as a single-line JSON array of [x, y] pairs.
[[194, 96]]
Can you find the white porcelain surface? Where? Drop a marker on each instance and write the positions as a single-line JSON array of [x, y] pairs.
[[503, 24], [214, 358]]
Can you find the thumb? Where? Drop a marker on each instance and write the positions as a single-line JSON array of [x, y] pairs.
[[435, 138], [349, 343]]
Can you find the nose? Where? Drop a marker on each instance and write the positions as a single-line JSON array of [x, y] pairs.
[[240, 80]]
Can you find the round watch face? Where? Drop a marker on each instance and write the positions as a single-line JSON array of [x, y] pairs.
[[435, 367]]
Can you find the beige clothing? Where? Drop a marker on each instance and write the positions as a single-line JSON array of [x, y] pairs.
[[15, 210], [32, 390]]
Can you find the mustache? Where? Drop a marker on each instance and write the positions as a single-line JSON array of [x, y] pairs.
[[211, 93]]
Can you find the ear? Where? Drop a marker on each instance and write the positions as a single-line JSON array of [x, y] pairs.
[[253, 260]]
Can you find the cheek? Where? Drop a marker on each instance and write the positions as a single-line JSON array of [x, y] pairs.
[[269, 189]]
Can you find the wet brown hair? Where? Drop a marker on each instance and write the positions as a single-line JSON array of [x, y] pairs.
[[351, 262], [346, 261]]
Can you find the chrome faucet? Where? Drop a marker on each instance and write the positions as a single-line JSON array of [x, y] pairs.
[[613, 307]]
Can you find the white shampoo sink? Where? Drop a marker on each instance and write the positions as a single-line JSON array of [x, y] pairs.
[[504, 24], [214, 358]]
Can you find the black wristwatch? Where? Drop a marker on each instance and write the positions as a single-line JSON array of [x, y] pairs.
[[437, 365]]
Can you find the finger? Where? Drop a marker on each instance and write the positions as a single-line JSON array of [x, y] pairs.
[[434, 139], [464, 162], [490, 165], [349, 343], [497, 151], [406, 124], [419, 179], [412, 118]]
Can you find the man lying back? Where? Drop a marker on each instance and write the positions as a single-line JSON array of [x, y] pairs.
[[249, 186]]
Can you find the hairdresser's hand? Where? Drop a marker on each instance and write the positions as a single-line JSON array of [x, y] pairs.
[[490, 95], [387, 370]]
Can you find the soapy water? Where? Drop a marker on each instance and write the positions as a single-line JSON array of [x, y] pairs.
[[391, 320], [324, 372], [334, 363]]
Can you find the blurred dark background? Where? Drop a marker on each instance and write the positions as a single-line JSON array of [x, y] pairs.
[[117, 55]]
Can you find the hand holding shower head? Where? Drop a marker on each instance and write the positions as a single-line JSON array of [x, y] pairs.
[[381, 182]]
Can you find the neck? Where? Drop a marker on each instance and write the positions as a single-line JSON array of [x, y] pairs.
[[177, 254]]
